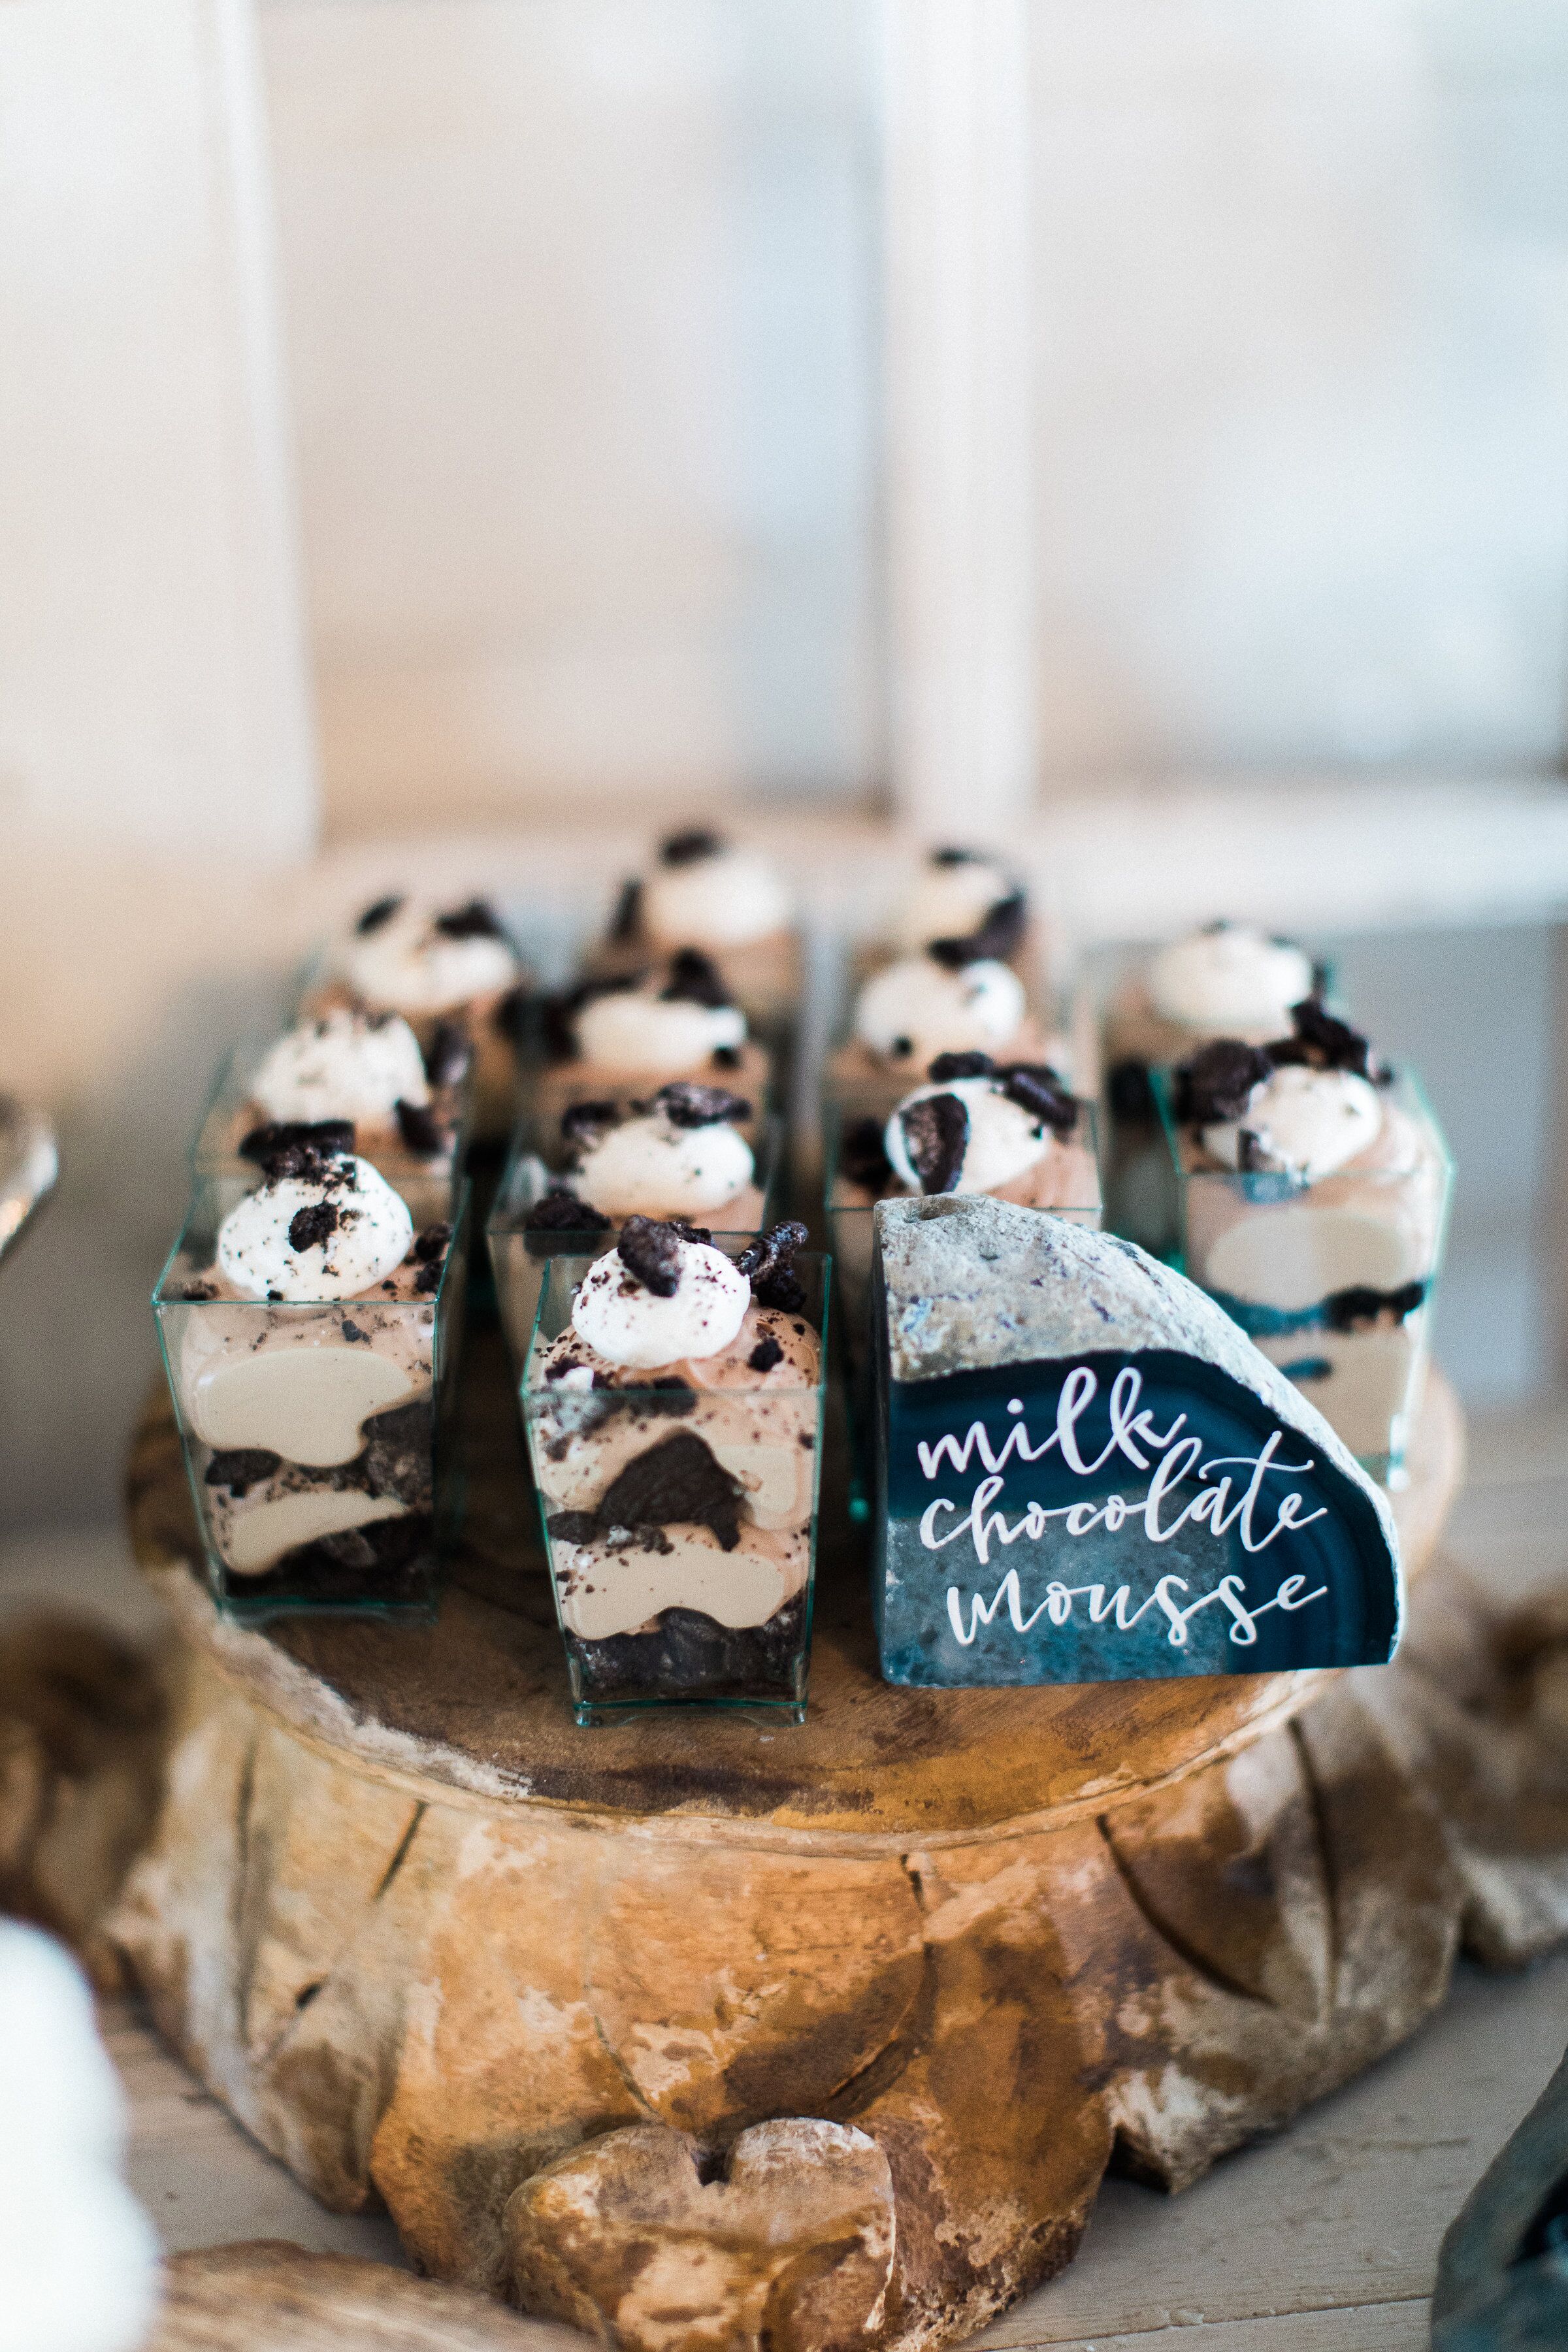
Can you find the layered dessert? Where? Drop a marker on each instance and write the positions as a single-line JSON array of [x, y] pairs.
[[954, 996], [364, 1077], [1013, 1131], [308, 1341], [622, 1034], [674, 1418], [454, 965], [702, 891], [691, 1153], [956, 894], [1314, 1186]]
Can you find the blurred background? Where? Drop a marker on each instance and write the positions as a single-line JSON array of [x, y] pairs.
[[1134, 431]]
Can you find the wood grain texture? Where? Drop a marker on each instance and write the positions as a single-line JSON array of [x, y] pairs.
[[265, 2295]]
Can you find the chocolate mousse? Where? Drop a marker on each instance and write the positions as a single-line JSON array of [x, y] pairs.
[[622, 1034], [673, 1406], [400, 1106], [1314, 1185], [706, 892], [689, 1152], [308, 1334], [436, 965]]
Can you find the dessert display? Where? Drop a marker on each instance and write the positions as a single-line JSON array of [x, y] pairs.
[[672, 1399], [1011, 1129], [434, 966], [364, 1075], [1086, 1472], [1315, 1189], [617, 1035], [954, 996], [309, 1333], [705, 892], [691, 1153]]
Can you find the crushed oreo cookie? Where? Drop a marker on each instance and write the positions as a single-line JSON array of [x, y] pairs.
[[693, 1655], [768, 1265], [651, 1252], [689, 1231], [477, 920], [198, 1290], [1216, 1083], [584, 1122], [433, 1242], [626, 920], [686, 1104], [422, 1132], [1126, 1087], [313, 1227], [863, 1155], [994, 940], [1323, 1042], [380, 911], [948, 857], [1251, 1158], [241, 1468], [936, 1136], [726, 1058], [509, 1017], [562, 1211], [948, 1066], [677, 1481], [765, 1354], [1343, 1310], [695, 979], [687, 847], [1035, 1088], [289, 1146]]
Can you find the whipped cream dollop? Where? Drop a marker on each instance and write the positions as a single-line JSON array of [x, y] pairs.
[[704, 892], [658, 1298], [645, 1028], [989, 1140], [352, 1065], [332, 1231], [1299, 1121], [1229, 977], [918, 1007], [650, 1165], [406, 956], [951, 896]]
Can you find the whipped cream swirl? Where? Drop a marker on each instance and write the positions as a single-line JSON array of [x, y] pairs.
[[1299, 1121], [646, 1029], [405, 956], [651, 1165], [1227, 978], [332, 1231], [705, 893], [949, 897], [918, 1007], [689, 1300], [352, 1065]]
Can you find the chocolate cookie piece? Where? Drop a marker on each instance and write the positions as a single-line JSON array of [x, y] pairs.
[[995, 939], [765, 1354], [947, 856], [1323, 1042], [562, 1211], [690, 1656], [422, 1132], [1361, 1305], [677, 1481], [240, 1467], [768, 1265], [284, 1146], [948, 1066], [686, 1104], [396, 1455], [433, 1242], [1215, 1085], [390, 1560], [449, 1054], [477, 920], [936, 1135], [695, 979], [687, 848], [381, 910], [584, 1122], [317, 1223], [1035, 1088], [863, 1155], [651, 1252]]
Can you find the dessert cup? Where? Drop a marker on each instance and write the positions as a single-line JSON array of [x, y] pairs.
[[680, 1500], [618, 1037], [434, 966], [941, 999], [419, 1147], [1332, 1276], [702, 892], [316, 1431], [534, 1221]]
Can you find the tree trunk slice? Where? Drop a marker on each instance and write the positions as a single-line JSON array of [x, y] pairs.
[[265, 2295], [718, 2035]]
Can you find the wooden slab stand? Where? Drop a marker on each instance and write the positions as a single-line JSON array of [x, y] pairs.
[[702, 2031]]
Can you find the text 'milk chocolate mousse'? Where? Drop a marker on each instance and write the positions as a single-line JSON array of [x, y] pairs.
[[1314, 1186], [307, 1346], [674, 1419]]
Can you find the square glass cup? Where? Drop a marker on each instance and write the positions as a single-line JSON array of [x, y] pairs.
[[430, 1186], [1058, 1029], [318, 1435], [1331, 1277], [581, 1441], [538, 1157], [850, 1221]]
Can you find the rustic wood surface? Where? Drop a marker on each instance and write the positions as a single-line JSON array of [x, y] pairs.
[[264, 2295]]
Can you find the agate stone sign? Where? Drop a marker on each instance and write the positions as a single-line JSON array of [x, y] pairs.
[[1087, 1474]]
